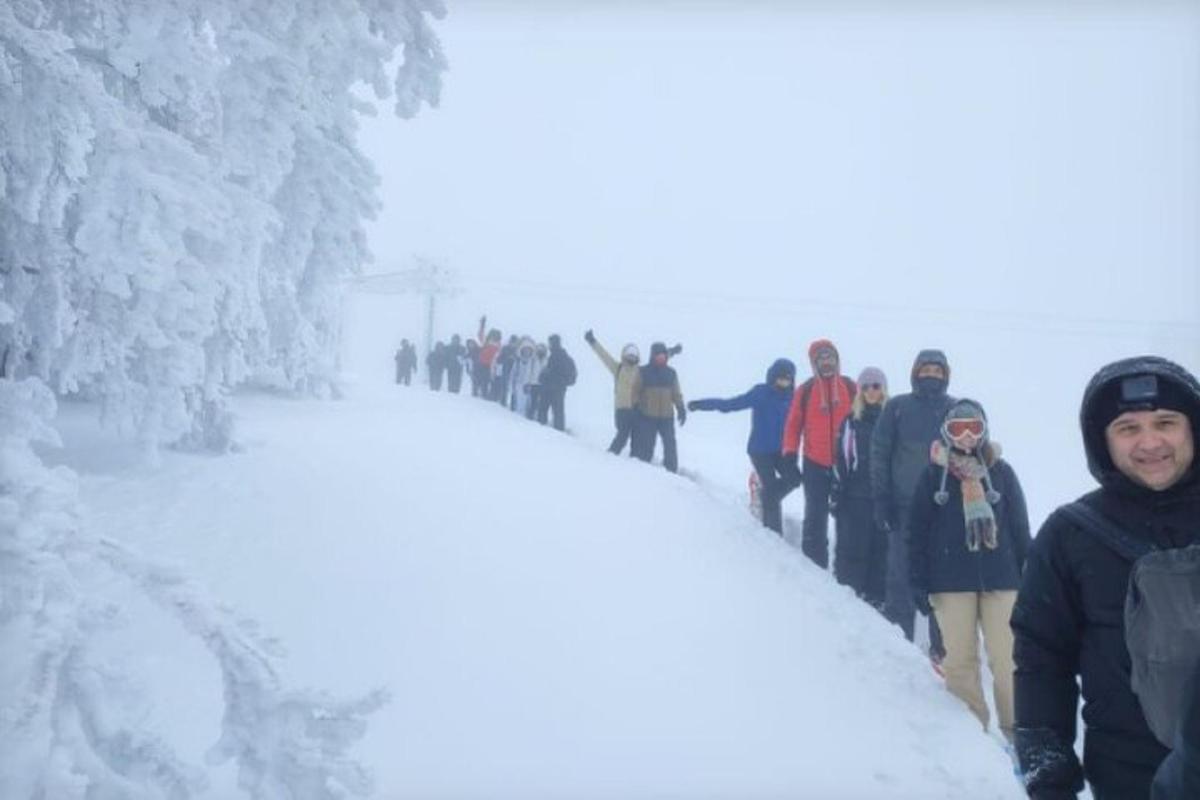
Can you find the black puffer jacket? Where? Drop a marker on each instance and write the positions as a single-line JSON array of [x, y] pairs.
[[1069, 623], [907, 427], [852, 465], [939, 558]]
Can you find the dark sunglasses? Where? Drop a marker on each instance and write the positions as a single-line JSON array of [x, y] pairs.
[[867, 386]]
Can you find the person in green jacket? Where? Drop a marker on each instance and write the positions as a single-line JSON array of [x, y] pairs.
[[625, 373]]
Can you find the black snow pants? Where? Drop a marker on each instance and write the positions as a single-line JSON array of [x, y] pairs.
[[862, 548], [552, 400], [454, 378], [898, 604], [625, 418], [645, 438], [479, 381], [435, 379], [814, 537], [775, 487]]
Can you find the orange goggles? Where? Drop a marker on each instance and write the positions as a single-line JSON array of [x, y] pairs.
[[958, 428]]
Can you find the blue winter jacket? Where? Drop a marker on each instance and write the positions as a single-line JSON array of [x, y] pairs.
[[770, 409]]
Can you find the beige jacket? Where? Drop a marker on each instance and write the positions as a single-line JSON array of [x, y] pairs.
[[626, 375]]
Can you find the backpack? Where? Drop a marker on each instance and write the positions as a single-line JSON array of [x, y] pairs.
[[1162, 618], [569, 371]]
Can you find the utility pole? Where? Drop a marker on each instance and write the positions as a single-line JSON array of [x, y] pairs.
[[426, 277]]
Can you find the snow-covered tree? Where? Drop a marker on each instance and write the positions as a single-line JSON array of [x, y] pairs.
[[181, 198]]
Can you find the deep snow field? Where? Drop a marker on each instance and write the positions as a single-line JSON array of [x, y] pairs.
[[549, 620]]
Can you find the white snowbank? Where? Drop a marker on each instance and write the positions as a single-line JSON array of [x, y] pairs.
[[550, 620]]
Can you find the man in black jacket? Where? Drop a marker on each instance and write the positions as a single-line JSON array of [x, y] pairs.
[[557, 375], [1139, 419], [907, 428]]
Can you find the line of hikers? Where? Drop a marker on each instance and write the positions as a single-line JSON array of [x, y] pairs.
[[931, 519], [526, 376], [1104, 603]]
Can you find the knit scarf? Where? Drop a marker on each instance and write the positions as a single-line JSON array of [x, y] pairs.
[[970, 471]]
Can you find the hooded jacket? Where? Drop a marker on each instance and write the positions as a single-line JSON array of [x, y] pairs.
[[656, 391], [1069, 625], [908, 426], [769, 407], [624, 377], [817, 411]]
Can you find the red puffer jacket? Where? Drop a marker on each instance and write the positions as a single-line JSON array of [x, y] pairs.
[[818, 409]]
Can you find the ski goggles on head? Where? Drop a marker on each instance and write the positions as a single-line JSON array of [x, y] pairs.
[[958, 428]]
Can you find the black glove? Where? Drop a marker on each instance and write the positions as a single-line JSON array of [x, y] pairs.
[[589, 337], [921, 601], [790, 469], [691, 405], [834, 498], [674, 351], [682, 416]]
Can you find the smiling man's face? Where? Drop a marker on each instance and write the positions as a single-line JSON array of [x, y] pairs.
[[1152, 448]]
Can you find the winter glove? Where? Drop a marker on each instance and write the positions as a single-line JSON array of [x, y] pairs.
[[921, 601], [589, 337], [674, 351], [682, 416], [691, 405], [835, 491], [790, 470]]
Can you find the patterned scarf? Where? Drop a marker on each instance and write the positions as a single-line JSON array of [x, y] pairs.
[[970, 471]]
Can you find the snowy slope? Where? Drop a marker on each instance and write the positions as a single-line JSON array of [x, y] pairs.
[[550, 621]]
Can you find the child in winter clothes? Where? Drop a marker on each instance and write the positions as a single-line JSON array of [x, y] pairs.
[[435, 362], [658, 400], [818, 409], [861, 556], [770, 402], [968, 536], [625, 373]]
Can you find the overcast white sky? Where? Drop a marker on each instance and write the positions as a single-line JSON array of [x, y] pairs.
[[1020, 157]]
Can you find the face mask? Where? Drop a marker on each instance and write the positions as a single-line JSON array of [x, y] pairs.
[[930, 385]]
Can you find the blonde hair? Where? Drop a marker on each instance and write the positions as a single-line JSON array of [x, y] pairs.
[[859, 404]]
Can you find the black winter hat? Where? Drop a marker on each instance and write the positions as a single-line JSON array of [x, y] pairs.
[[1142, 383], [658, 349], [555, 341], [935, 357]]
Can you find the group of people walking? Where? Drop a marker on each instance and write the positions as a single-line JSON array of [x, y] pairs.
[[930, 518], [528, 377]]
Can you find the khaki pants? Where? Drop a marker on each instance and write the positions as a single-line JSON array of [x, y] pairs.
[[960, 616]]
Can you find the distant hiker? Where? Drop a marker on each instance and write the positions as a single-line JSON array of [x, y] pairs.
[[818, 409], [861, 557], [525, 372], [406, 363], [453, 356], [900, 447], [968, 537], [769, 403], [556, 376], [489, 348], [658, 400], [625, 373], [502, 371], [435, 362], [1108, 599], [471, 365], [541, 354]]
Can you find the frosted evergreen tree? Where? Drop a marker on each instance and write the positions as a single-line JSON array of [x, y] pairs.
[[181, 197]]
